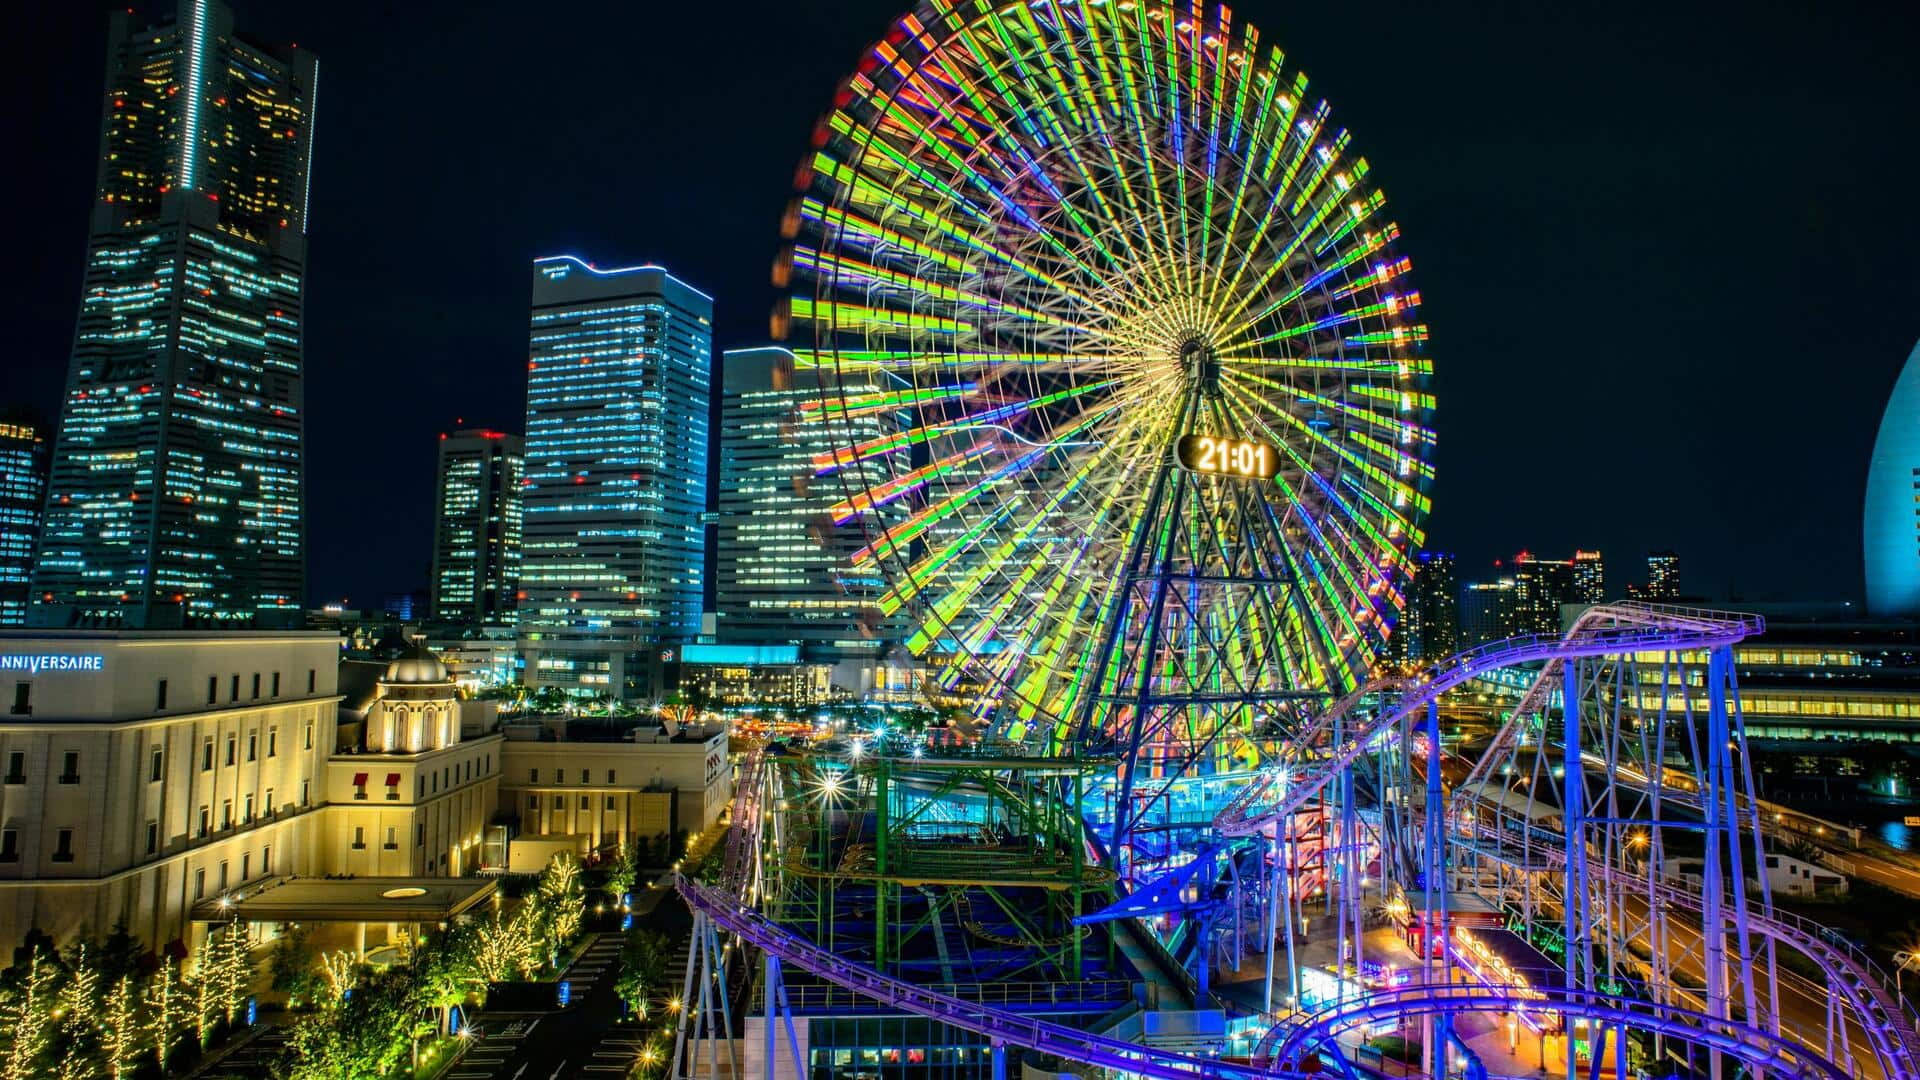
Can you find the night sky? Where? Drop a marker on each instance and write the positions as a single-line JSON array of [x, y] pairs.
[[1667, 250]]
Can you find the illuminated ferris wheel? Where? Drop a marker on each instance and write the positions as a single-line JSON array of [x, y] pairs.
[[1125, 383]]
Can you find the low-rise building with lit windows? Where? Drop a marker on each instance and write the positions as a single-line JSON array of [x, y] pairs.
[[142, 772], [564, 779], [411, 795]]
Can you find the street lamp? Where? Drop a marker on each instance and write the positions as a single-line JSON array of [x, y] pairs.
[[1901, 961]]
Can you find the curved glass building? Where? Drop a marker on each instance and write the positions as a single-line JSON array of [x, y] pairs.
[[1891, 527]]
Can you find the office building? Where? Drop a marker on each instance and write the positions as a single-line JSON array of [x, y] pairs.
[[1663, 579], [177, 489], [24, 442], [148, 771], [405, 607], [613, 555], [1663, 576], [476, 535], [1540, 586], [1589, 578], [1489, 611], [1430, 629], [785, 572], [1891, 524]]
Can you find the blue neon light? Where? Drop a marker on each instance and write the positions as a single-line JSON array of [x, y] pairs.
[[597, 272]]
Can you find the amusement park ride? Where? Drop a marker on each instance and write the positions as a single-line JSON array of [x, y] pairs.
[[1151, 470]]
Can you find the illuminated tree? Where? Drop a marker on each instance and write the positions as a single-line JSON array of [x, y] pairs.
[[81, 995], [122, 1034], [339, 968], [233, 968], [77, 1008], [503, 948], [562, 903], [166, 1009], [206, 996], [626, 869], [27, 1017]]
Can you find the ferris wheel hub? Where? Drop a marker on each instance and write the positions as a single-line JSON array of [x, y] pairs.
[[1200, 364]]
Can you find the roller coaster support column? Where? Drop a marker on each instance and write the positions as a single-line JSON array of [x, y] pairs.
[[1270, 918], [880, 867], [775, 995], [1433, 875], [769, 995], [1579, 964], [999, 1060]]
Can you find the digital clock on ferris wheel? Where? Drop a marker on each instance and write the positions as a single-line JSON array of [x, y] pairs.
[[1218, 455]]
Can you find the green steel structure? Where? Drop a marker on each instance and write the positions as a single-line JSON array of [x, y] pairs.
[[964, 865]]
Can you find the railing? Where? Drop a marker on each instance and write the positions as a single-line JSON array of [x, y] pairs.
[[1098, 993]]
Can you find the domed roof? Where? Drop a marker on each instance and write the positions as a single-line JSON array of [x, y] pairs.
[[416, 665]]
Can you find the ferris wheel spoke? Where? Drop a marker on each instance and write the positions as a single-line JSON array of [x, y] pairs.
[[1342, 505], [1053, 237], [861, 277]]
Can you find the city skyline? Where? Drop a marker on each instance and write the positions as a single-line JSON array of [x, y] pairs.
[[1012, 616], [1547, 168]]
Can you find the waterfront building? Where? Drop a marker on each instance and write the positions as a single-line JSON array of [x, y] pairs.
[[148, 771], [784, 573], [1891, 524], [613, 548], [177, 490], [476, 536], [24, 442]]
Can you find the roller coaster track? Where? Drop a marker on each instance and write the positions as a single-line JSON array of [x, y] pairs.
[[1890, 1025], [1284, 1042], [1605, 630], [1757, 1049], [731, 913]]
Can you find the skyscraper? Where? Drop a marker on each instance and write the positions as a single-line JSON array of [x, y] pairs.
[[1663, 576], [476, 536], [1488, 612], [176, 495], [1431, 628], [24, 439], [785, 571], [1589, 578], [616, 465], [1540, 587]]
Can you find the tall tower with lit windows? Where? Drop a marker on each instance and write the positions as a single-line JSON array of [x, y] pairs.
[[785, 570], [476, 534], [177, 490], [613, 549], [24, 442]]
